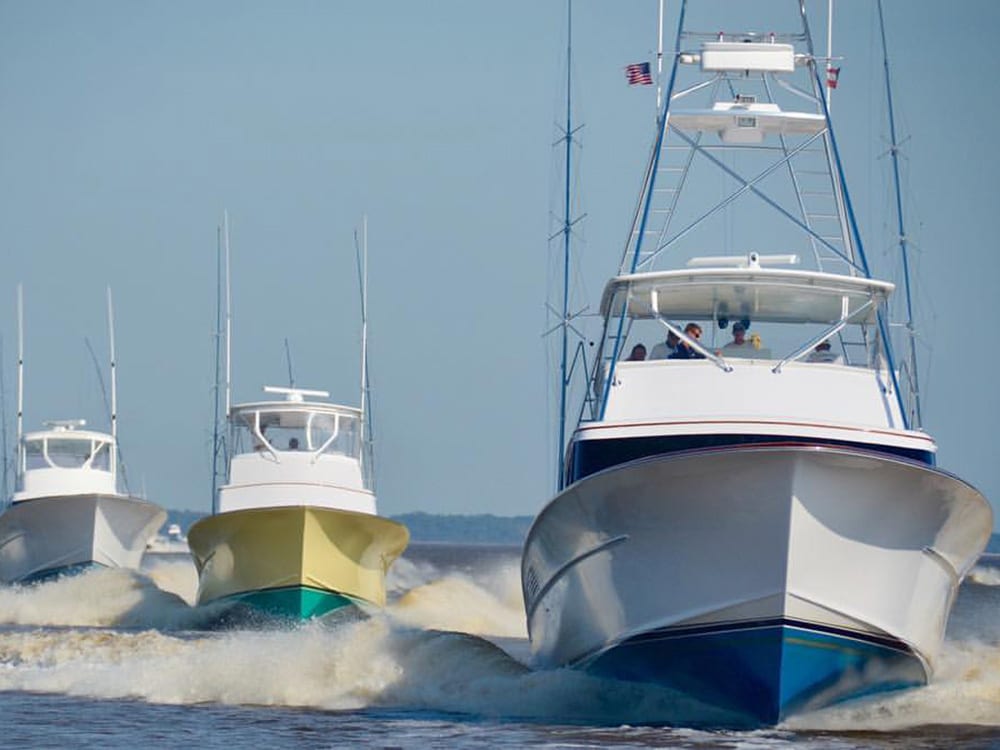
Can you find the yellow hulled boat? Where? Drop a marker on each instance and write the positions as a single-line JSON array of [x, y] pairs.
[[295, 532]]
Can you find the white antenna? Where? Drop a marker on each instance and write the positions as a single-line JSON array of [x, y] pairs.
[[114, 370], [20, 378], [829, 51], [229, 315], [364, 311], [659, 62]]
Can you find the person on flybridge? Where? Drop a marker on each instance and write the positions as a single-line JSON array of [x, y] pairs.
[[739, 342], [822, 353], [638, 353], [664, 349], [684, 350]]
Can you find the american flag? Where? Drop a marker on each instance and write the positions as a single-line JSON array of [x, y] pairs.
[[638, 74]]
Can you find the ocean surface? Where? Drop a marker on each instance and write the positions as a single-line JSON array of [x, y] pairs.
[[112, 659]]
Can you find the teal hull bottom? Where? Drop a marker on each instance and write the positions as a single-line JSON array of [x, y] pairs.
[[293, 602]]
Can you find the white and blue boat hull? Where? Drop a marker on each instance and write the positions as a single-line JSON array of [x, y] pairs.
[[759, 580]]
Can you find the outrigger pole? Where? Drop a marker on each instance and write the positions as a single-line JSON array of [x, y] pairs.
[[659, 60], [218, 357], [3, 433], [567, 224], [361, 257], [829, 51], [903, 247], [114, 368], [222, 276], [229, 316], [116, 458], [20, 379]]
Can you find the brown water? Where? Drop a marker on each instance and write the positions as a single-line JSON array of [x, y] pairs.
[[115, 660]]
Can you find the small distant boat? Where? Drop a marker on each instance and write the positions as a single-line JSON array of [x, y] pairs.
[[295, 532], [762, 528], [67, 513], [173, 542]]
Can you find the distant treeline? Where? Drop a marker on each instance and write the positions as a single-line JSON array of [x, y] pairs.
[[427, 527], [473, 529]]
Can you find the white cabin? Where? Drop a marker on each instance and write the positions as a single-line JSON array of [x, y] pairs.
[[65, 460], [296, 452], [779, 384]]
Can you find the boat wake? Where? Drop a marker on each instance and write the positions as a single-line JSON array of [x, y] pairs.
[[486, 604], [111, 634], [987, 571], [100, 598], [966, 690]]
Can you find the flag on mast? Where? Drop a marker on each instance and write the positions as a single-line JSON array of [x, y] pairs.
[[638, 74]]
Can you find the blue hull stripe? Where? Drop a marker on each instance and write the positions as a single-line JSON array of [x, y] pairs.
[[763, 671]]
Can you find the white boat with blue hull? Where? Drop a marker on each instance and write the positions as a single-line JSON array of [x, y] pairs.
[[759, 524]]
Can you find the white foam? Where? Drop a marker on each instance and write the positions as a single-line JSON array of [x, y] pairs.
[[965, 690], [489, 605], [374, 662], [985, 575], [406, 657], [97, 598]]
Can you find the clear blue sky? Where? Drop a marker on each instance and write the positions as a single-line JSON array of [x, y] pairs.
[[127, 128]]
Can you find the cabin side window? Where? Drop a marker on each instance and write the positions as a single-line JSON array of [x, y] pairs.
[[101, 457], [34, 454]]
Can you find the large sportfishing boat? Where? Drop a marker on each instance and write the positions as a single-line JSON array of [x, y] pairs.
[[294, 531], [758, 523], [67, 512]]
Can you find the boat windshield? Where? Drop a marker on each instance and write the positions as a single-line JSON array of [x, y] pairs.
[[779, 315], [67, 453], [298, 430]]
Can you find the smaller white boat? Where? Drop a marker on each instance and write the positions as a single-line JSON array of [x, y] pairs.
[[67, 513]]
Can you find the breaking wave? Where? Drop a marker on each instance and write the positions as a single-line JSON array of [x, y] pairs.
[[449, 641]]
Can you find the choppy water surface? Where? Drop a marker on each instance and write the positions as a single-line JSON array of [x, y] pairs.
[[115, 659]]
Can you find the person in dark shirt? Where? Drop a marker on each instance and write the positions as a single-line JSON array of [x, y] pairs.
[[684, 350]]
